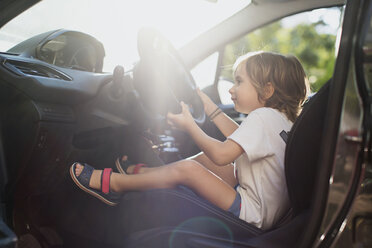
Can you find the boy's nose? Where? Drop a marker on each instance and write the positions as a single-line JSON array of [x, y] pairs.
[[231, 90]]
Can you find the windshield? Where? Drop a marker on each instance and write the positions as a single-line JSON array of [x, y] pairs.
[[115, 22]]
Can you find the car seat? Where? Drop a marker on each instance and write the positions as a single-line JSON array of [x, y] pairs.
[[179, 218]]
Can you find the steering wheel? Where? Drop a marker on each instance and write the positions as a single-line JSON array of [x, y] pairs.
[[162, 79]]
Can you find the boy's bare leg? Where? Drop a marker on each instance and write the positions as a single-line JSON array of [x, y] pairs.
[[226, 173], [186, 172]]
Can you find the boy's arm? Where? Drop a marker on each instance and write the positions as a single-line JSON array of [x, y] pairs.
[[223, 122], [221, 153]]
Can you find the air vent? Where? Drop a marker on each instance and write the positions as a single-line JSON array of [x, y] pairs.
[[33, 69]]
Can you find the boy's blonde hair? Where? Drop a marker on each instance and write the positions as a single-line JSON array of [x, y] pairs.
[[286, 75]]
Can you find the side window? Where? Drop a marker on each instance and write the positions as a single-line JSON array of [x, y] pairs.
[[310, 36], [205, 72]]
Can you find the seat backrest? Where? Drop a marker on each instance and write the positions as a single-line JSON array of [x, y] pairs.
[[302, 151]]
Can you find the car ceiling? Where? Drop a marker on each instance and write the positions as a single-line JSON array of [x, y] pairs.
[[11, 8]]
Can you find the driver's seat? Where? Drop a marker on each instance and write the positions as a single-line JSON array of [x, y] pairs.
[[178, 218]]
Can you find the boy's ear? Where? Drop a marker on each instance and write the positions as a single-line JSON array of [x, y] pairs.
[[269, 90]]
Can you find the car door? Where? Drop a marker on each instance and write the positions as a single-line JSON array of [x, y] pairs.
[[343, 205], [311, 36]]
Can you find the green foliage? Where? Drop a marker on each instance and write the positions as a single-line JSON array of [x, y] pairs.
[[315, 50]]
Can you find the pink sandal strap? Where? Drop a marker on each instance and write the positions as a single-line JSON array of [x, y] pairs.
[[137, 167], [105, 183]]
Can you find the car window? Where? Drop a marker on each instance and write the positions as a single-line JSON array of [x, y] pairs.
[[310, 36], [205, 72]]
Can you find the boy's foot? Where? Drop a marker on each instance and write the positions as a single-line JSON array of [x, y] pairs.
[[95, 180], [124, 166]]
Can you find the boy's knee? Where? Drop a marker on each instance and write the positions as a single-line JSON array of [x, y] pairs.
[[198, 157], [189, 169]]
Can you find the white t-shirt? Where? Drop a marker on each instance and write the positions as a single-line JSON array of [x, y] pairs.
[[260, 170]]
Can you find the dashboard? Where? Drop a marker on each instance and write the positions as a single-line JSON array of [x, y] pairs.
[[42, 81], [56, 78]]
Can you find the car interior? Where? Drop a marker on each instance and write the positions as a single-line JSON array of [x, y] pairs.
[[57, 106]]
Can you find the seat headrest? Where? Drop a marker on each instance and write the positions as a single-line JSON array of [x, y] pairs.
[[302, 151]]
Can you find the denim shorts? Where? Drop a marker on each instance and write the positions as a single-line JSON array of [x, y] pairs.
[[236, 205]]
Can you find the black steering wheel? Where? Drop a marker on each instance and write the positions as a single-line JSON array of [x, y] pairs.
[[161, 78]]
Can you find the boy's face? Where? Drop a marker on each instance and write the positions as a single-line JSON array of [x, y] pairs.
[[243, 94]]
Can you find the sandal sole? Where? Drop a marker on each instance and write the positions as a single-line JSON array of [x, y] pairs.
[[118, 167], [92, 193]]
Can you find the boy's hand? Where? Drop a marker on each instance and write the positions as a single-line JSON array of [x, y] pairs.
[[209, 105], [181, 121]]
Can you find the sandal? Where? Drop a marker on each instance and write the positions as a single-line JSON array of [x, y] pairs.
[[82, 181], [122, 166]]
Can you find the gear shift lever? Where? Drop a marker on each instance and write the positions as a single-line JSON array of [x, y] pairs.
[[117, 80]]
